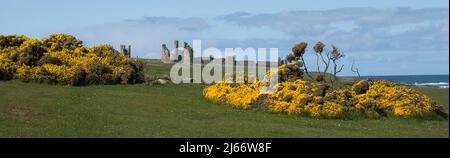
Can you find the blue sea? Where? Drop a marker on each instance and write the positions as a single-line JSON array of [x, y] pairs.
[[418, 80]]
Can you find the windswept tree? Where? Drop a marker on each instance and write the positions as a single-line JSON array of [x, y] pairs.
[[355, 70], [318, 49], [298, 52], [331, 58], [336, 54]]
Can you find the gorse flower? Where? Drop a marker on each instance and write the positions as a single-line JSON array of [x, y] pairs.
[[398, 100], [300, 97], [303, 97], [63, 59], [236, 95]]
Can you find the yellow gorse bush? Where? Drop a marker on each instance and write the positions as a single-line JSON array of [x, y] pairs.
[[63, 59], [315, 99], [400, 100], [303, 98], [236, 95]]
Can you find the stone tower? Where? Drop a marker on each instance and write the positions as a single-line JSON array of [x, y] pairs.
[[125, 51], [165, 57], [187, 53], [175, 55]]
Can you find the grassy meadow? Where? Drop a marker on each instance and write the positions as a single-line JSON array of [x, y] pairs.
[[42, 110]]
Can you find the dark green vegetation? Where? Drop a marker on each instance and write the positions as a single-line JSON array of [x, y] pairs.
[[42, 110]]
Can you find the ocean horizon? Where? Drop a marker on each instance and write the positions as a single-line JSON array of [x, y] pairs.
[[441, 81]]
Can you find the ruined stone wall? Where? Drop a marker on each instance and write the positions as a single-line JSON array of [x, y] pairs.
[[165, 57], [185, 56], [125, 51], [188, 54]]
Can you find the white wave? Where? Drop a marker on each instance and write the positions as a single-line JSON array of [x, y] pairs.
[[435, 84]]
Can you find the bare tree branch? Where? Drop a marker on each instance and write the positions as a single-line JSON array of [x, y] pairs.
[[355, 70], [327, 63], [340, 69], [306, 68], [317, 62]]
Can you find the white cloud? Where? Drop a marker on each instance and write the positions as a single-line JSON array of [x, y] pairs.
[[369, 35], [359, 28]]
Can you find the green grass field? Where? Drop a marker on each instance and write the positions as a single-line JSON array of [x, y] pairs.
[[41, 110]]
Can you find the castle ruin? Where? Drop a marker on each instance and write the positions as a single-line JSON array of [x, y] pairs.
[[125, 51], [186, 56], [165, 58]]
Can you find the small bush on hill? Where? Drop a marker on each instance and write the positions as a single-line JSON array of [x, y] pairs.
[[316, 99], [62, 59]]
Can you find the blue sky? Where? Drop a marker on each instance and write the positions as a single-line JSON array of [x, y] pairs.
[[384, 37]]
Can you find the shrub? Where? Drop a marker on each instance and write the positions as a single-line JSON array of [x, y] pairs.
[[7, 68], [290, 72], [299, 97], [59, 42], [5, 75], [11, 41], [132, 74], [98, 73], [387, 97], [236, 95], [79, 78], [49, 60], [30, 52], [62, 59], [360, 87]]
